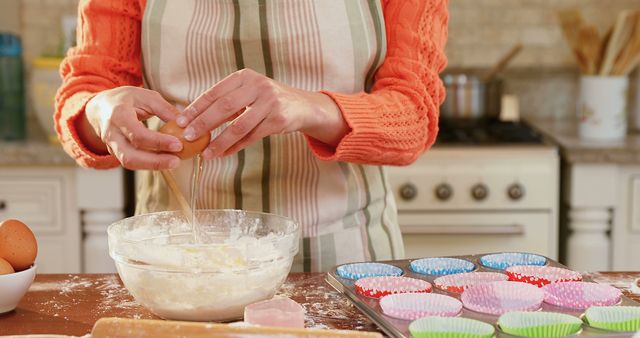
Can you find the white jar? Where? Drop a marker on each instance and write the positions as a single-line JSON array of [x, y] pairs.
[[602, 108]]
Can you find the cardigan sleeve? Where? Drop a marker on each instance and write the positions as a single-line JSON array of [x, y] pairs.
[[398, 120], [108, 55]]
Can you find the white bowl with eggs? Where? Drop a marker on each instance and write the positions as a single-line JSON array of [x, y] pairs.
[[244, 258], [14, 286]]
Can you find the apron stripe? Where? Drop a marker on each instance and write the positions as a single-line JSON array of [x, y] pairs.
[[384, 210], [237, 47], [380, 41], [367, 213], [154, 13], [266, 142]]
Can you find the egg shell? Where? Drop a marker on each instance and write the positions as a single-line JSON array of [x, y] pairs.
[[18, 245], [5, 267], [189, 149]]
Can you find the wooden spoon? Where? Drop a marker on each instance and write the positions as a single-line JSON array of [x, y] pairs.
[[589, 39], [621, 33], [570, 21], [503, 62], [173, 186], [625, 61]]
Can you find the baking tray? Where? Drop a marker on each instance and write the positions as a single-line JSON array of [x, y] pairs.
[[399, 328]]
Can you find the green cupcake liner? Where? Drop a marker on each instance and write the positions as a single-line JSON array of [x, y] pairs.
[[615, 318], [539, 324], [450, 327]]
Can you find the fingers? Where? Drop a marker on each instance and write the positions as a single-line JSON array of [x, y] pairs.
[[206, 99], [136, 159], [154, 104], [142, 138], [261, 131], [220, 111], [238, 128]]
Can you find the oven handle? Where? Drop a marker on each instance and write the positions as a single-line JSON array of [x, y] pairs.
[[509, 229]]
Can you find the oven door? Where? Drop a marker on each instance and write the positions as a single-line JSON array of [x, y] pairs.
[[430, 234]]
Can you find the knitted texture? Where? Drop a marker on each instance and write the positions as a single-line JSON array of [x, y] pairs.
[[392, 125]]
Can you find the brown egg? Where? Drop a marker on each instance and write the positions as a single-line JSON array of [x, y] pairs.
[[5, 267], [18, 245], [189, 149]]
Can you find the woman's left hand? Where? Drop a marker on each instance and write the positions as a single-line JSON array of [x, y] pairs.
[[258, 107]]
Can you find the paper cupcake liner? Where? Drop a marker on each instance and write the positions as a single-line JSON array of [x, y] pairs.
[[362, 270], [377, 287], [441, 266], [450, 327], [411, 306], [581, 295], [497, 298], [459, 282], [615, 318], [541, 275], [504, 260], [539, 324]]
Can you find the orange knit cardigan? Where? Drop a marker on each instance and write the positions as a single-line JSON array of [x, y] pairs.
[[393, 124]]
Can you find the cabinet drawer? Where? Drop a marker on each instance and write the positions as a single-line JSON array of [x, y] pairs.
[[35, 201]]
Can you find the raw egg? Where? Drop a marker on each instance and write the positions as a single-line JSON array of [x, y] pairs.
[[189, 149], [18, 245], [5, 267]]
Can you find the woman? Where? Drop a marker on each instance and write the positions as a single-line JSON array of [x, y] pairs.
[[305, 100]]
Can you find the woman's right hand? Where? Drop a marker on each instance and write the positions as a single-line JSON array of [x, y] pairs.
[[113, 123]]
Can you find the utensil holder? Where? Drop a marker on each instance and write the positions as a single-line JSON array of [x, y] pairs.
[[602, 108]]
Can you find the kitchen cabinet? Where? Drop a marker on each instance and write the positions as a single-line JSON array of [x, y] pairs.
[[45, 199], [68, 208], [601, 198]]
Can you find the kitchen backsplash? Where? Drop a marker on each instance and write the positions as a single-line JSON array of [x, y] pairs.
[[480, 31]]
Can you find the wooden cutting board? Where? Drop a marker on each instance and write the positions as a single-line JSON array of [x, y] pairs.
[[141, 328]]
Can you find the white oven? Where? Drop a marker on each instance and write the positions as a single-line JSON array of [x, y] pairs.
[[460, 200]]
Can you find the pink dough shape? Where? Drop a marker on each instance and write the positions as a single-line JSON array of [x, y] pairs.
[[282, 312]]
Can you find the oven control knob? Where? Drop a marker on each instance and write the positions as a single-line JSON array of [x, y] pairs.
[[479, 192], [408, 191], [515, 191], [444, 191]]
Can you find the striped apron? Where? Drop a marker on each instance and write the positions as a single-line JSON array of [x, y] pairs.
[[346, 211]]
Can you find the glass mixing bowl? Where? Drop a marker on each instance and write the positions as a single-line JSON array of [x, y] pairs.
[[244, 258]]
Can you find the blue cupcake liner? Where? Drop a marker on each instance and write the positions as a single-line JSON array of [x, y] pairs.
[[362, 270], [441, 266], [505, 260]]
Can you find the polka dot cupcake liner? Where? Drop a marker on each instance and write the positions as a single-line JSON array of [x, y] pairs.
[[377, 287], [614, 318], [581, 295], [497, 298], [411, 306], [441, 266], [539, 324], [541, 275], [459, 282], [362, 270], [450, 327], [501, 261]]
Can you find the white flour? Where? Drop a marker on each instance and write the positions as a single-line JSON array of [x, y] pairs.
[[212, 282]]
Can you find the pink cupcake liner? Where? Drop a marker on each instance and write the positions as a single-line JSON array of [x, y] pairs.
[[459, 282], [542, 275], [411, 306], [497, 298], [581, 295], [377, 287]]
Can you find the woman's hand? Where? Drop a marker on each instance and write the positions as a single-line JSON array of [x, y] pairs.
[[259, 107], [113, 124]]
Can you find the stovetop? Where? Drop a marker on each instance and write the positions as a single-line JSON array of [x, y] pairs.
[[487, 133]]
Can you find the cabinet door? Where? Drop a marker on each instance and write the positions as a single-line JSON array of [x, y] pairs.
[[45, 200]]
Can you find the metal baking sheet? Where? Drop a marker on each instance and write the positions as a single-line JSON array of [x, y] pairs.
[[400, 328]]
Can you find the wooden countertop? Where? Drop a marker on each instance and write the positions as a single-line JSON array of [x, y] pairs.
[[575, 150], [71, 304]]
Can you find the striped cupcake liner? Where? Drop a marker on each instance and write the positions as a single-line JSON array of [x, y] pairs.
[[496, 298], [411, 306], [581, 295], [450, 327], [362, 270], [501, 261], [539, 324], [541, 275], [377, 287], [614, 318], [459, 282], [441, 266]]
